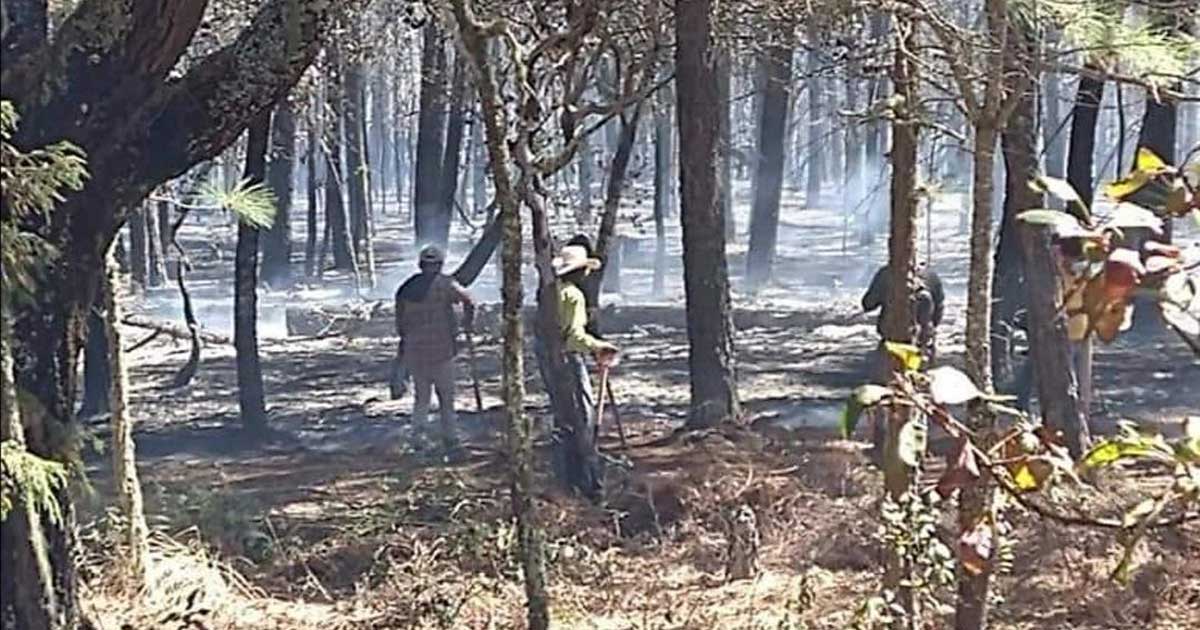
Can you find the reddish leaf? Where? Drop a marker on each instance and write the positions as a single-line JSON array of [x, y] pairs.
[[975, 547], [1161, 249], [963, 471]]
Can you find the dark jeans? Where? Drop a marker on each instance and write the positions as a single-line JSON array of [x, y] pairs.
[[578, 462]]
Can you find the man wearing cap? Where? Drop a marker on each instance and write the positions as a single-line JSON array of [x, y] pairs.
[[428, 331]]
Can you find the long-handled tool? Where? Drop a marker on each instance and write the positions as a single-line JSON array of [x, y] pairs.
[[607, 392], [474, 371]]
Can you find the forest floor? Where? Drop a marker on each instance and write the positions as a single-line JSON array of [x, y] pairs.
[[348, 516]]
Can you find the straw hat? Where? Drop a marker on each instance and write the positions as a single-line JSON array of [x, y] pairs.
[[573, 258]]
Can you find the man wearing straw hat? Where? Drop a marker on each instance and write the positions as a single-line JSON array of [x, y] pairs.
[[572, 266], [428, 329]]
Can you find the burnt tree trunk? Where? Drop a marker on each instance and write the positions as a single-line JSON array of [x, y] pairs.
[[431, 129], [139, 252], [725, 89], [607, 238], [156, 262], [519, 426], [311, 236], [95, 368], [816, 160], [772, 130], [1080, 166], [277, 241], [251, 404], [662, 182], [358, 168], [381, 117], [714, 398], [337, 218], [139, 130], [452, 156], [1049, 346]]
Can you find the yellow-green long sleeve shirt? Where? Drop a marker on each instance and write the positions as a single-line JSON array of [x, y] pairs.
[[572, 316]]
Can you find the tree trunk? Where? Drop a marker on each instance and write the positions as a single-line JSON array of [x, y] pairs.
[[381, 117], [611, 274], [714, 398], [124, 461], [725, 91], [1080, 160], [1049, 347], [772, 129], [139, 253], [1053, 131], [815, 154], [277, 241], [452, 156], [336, 216], [519, 426], [310, 227], [251, 402], [358, 168], [156, 264], [95, 368], [137, 137], [662, 182], [900, 325], [479, 167], [1084, 117], [431, 128]]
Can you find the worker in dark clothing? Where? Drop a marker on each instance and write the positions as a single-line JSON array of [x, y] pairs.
[[428, 331], [928, 305]]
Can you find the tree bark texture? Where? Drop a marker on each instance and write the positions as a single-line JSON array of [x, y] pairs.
[[814, 147], [337, 215], [714, 397], [900, 325], [124, 459], [95, 368], [251, 403], [431, 128], [139, 252], [358, 168], [725, 90], [519, 425], [662, 182], [277, 241], [156, 264], [139, 129], [611, 274], [312, 154], [451, 156], [772, 130]]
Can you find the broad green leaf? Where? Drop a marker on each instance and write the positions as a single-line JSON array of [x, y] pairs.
[[949, 386], [910, 443], [1122, 447], [861, 398], [908, 354], [1128, 216]]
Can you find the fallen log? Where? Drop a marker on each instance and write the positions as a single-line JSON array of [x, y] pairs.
[[176, 331]]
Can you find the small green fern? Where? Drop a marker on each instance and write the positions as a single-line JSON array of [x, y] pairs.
[[31, 480]]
